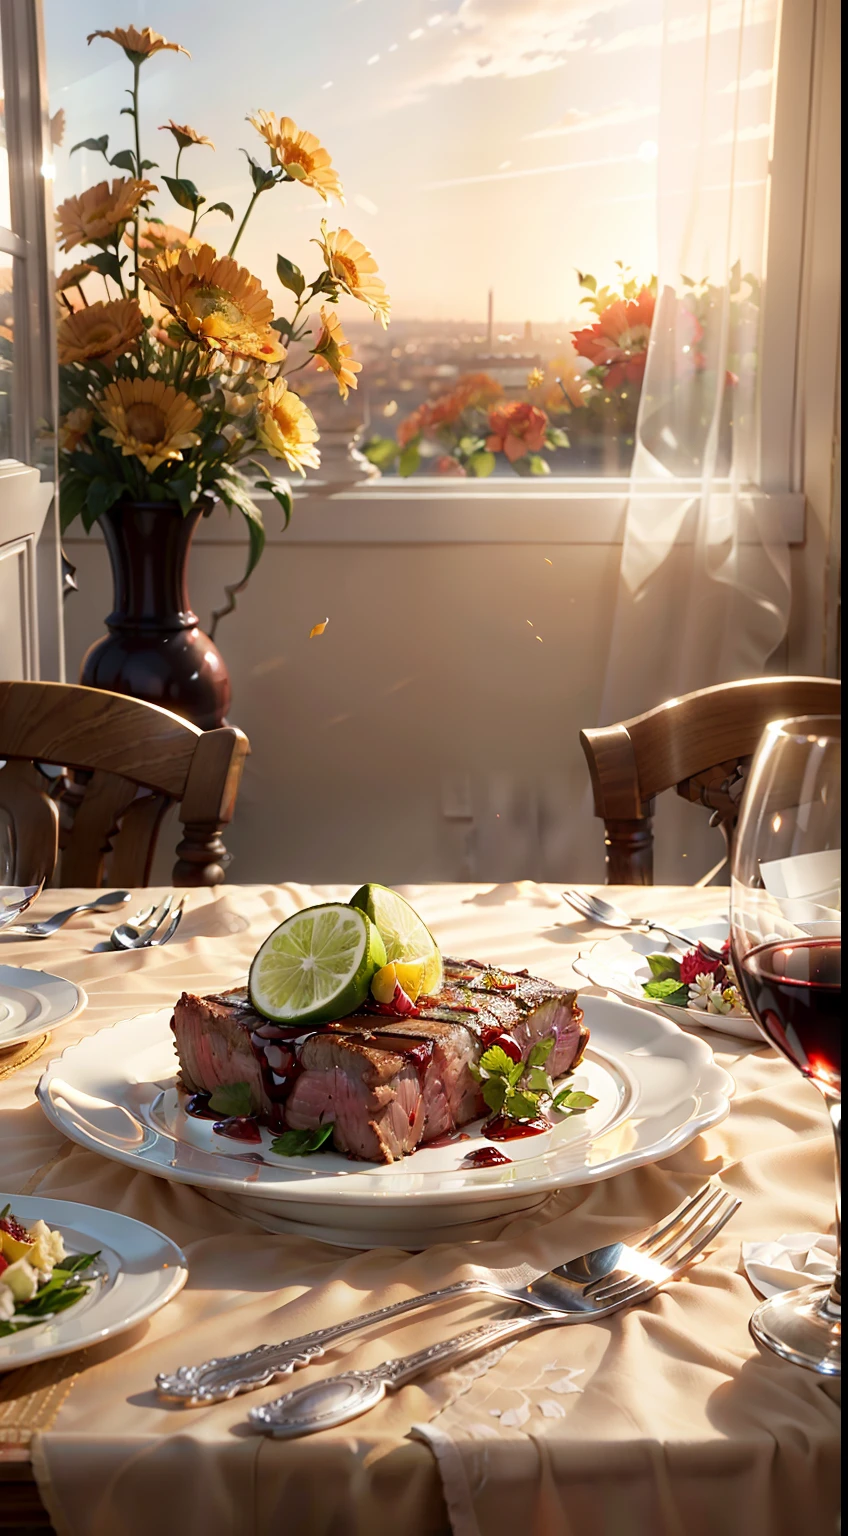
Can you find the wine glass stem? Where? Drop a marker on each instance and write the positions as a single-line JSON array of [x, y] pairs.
[[834, 1109]]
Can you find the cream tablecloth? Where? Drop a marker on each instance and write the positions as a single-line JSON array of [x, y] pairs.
[[664, 1420]]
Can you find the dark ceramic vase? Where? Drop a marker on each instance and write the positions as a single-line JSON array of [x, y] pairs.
[[154, 649]]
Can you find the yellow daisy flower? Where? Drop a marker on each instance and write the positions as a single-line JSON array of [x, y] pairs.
[[301, 155], [333, 352], [73, 430], [149, 420], [221, 304], [139, 45], [183, 134], [100, 331], [99, 212], [286, 427], [354, 269], [155, 237]]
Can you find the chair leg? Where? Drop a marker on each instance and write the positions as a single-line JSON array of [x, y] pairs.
[[630, 851], [201, 856]]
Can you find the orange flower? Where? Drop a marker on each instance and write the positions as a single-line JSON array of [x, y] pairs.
[[73, 430], [517, 428], [333, 352], [412, 426], [73, 276], [353, 267], [100, 211], [139, 45], [154, 236], [99, 332], [619, 340], [222, 305], [448, 465], [477, 389], [298, 153], [183, 134]]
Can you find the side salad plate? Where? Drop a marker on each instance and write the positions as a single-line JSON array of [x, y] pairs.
[[34, 1001], [73, 1275], [621, 966]]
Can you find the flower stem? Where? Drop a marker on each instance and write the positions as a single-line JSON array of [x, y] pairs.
[[136, 125], [240, 230]]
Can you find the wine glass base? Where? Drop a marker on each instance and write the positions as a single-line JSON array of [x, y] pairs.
[[802, 1326]]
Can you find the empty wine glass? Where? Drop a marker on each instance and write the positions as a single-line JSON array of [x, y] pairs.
[[786, 937]]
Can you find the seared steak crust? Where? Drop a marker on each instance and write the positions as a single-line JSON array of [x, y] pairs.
[[388, 1083]]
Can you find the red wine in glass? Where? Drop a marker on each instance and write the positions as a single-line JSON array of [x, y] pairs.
[[793, 989]]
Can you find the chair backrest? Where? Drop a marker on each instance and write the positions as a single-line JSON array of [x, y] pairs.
[[701, 745], [91, 774]]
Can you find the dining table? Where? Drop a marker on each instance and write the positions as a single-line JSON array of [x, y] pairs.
[[664, 1420]]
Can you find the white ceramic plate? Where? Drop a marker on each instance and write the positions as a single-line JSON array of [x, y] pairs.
[[620, 966], [657, 1088], [141, 1270], [33, 1001]]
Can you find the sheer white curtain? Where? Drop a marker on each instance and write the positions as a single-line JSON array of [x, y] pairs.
[[704, 584]]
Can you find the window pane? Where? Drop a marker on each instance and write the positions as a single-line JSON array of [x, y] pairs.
[[5, 204], [6, 353], [490, 151]]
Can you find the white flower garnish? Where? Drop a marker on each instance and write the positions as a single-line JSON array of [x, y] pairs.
[[701, 989]]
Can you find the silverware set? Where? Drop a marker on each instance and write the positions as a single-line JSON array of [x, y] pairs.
[[586, 1289], [144, 930], [610, 916]]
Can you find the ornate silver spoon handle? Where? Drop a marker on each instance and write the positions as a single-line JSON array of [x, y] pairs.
[[336, 1399], [214, 1381]]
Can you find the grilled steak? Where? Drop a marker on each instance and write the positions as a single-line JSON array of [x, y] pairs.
[[388, 1083]]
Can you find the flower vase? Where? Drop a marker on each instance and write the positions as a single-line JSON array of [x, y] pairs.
[[154, 649]]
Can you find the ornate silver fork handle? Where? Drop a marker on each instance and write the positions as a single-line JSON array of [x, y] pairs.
[[336, 1399], [214, 1381]]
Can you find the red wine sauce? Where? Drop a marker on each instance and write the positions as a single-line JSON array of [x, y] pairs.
[[239, 1128], [504, 1128], [484, 1157], [794, 991]]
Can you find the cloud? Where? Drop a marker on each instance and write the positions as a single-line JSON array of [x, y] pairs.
[[510, 39], [535, 170], [586, 122]]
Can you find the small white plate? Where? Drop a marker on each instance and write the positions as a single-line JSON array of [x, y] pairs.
[[143, 1270], [620, 965], [657, 1088], [34, 1001]]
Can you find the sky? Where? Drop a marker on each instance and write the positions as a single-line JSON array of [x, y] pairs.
[[481, 143]]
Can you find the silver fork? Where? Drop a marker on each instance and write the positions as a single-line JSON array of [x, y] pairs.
[[336, 1399], [573, 1284], [600, 911], [132, 936]]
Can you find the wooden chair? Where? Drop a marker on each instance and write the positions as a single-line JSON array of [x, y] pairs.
[[701, 745], [89, 776]]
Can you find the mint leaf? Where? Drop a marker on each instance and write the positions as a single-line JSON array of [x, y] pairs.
[[301, 1143], [496, 1062], [494, 1093], [523, 1106], [667, 991], [540, 1052], [572, 1099], [538, 1080], [231, 1099], [516, 1073], [663, 966]]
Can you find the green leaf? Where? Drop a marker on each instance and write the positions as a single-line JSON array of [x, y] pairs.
[[496, 1062], [325, 283], [540, 1052], [481, 464], [523, 1106], [261, 178], [290, 276], [281, 492], [184, 192], [124, 160], [102, 494], [410, 460], [538, 465], [538, 1080], [494, 1094], [555, 437], [667, 991], [107, 264], [221, 208], [381, 451], [301, 1143], [100, 145], [663, 966], [73, 490], [235, 493], [586, 280], [573, 1099], [515, 1074], [231, 1099]]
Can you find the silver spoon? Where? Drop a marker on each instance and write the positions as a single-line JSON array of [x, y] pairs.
[[52, 924], [128, 936], [600, 911]]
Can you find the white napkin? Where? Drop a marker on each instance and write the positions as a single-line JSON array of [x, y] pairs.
[[795, 1259]]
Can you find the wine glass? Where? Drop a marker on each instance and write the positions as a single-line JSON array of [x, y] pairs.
[[786, 939]]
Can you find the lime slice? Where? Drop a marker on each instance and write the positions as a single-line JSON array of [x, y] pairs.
[[317, 965], [405, 936]]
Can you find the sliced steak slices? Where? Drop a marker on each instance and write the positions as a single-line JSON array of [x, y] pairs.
[[388, 1083]]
